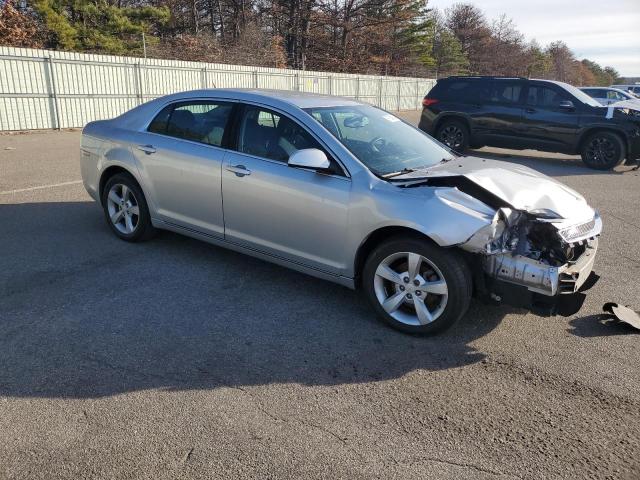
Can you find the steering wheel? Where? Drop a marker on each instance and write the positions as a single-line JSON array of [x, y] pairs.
[[377, 143]]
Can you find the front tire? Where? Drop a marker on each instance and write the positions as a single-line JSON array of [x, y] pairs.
[[454, 134], [603, 150], [125, 209], [416, 286]]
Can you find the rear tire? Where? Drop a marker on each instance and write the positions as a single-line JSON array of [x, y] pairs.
[[603, 150], [454, 134], [416, 286], [125, 209]]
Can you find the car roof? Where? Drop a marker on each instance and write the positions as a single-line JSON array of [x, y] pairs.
[[292, 97], [285, 99]]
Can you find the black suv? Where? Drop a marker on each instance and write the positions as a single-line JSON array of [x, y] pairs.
[[520, 113]]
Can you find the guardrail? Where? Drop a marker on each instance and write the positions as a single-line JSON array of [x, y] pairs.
[[42, 89]]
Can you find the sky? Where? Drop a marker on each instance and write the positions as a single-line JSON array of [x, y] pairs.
[[605, 31]]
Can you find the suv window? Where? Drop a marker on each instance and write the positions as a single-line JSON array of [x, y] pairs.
[[270, 135], [545, 97], [505, 92], [613, 95], [466, 90], [596, 92], [199, 121]]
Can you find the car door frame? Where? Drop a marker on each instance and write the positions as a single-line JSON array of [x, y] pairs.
[[165, 221], [544, 135], [235, 131], [495, 114]]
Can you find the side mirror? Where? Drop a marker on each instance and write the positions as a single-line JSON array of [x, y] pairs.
[[309, 158], [566, 105]]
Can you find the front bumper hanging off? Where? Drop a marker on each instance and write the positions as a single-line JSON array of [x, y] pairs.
[[540, 277], [545, 289]]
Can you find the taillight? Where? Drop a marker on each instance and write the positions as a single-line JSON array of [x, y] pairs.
[[427, 102]]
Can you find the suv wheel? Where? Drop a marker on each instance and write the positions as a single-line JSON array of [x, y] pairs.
[[415, 286], [454, 134], [603, 150]]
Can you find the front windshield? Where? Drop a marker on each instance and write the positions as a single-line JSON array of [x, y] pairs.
[[381, 141], [580, 95]]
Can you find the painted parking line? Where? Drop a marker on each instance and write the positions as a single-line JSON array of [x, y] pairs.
[[41, 187]]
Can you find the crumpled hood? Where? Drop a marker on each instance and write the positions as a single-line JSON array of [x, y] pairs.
[[521, 187]]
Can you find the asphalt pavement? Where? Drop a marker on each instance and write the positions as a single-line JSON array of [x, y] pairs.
[[177, 359]]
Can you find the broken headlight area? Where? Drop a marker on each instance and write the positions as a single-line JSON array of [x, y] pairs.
[[530, 259]]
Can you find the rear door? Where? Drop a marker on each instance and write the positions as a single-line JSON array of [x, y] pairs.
[[181, 157], [500, 118], [547, 125]]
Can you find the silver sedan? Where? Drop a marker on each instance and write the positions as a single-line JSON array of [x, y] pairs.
[[346, 192]]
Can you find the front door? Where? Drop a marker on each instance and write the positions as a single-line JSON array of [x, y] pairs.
[[292, 213], [548, 125]]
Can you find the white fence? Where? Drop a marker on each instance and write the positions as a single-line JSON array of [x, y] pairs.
[[42, 89]]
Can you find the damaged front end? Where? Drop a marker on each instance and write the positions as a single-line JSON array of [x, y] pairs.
[[534, 240], [531, 258]]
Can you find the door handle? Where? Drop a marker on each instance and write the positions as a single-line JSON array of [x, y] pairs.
[[239, 170], [530, 110], [148, 149]]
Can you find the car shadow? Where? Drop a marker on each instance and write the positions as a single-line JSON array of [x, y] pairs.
[[600, 325], [85, 315], [553, 165]]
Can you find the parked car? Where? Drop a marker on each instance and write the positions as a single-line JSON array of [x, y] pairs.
[[633, 88], [608, 95], [520, 113], [342, 191]]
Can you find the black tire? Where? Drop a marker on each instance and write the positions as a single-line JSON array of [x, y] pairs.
[[143, 229], [603, 150], [454, 134], [449, 264]]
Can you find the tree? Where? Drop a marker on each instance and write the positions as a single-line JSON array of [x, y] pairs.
[[19, 28], [469, 25], [98, 26], [441, 51]]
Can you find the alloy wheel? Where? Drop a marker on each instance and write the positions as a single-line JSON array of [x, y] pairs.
[[123, 208], [410, 288], [452, 136], [601, 151]]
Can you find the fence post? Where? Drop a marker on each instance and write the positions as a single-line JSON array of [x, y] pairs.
[[330, 78], [203, 77], [399, 84], [417, 97], [380, 93], [138, 74], [54, 91], [296, 77], [255, 79], [357, 88]]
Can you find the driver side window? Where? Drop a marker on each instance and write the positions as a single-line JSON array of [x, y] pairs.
[[267, 134], [544, 97]]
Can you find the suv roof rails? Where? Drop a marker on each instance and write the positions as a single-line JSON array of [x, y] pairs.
[[488, 76]]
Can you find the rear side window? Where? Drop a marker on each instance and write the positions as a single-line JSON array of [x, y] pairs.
[[462, 90], [545, 97], [596, 93], [202, 121], [159, 124], [505, 92]]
